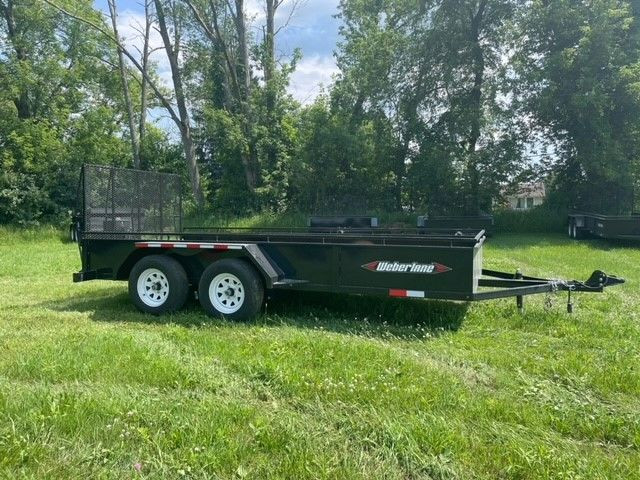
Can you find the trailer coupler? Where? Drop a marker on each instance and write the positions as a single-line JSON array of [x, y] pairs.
[[599, 279], [504, 285]]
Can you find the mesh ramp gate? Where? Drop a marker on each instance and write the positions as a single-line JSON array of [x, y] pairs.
[[118, 202]]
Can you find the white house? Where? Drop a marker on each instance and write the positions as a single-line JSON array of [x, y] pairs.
[[528, 195]]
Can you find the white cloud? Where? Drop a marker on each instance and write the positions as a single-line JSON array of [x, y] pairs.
[[255, 10], [310, 76], [307, 10], [294, 13]]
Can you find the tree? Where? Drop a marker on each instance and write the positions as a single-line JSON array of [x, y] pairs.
[[145, 73], [58, 104], [180, 113], [579, 77], [434, 70], [233, 61], [261, 155], [183, 121]]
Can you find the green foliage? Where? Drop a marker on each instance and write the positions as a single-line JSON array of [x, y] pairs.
[[434, 72], [21, 201], [224, 143], [30, 148], [583, 89], [275, 143], [339, 166], [536, 220], [57, 108], [438, 108]]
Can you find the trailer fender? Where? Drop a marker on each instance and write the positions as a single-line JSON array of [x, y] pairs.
[[267, 268]]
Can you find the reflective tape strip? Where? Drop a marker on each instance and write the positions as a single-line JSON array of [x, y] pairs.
[[393, 292], [219, 246], [191, 245]]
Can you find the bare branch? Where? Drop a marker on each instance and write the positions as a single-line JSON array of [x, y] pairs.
[[231, 10], [142, 125], [163, 99], [296, 5], [216, 37], [199, 18], [135, 146]]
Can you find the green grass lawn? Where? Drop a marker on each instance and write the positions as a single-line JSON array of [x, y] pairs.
[[321, 386]]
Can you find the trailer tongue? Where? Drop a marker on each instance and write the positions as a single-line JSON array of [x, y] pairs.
[[129, 226]]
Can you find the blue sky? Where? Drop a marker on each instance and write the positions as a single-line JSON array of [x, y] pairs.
[[313, 29]]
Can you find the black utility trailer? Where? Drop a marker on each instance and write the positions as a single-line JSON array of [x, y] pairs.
[[478, 222], [619, 227], [129, 225]]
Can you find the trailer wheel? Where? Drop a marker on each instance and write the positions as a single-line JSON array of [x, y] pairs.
[[574, 232], [232, 289], [158, 284], [577, 232]]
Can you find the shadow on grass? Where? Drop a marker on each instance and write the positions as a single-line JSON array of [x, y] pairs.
[[117, 307], [372, 316], [369, 316]]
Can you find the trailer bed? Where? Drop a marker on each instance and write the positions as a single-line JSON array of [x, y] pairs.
[[478, 222], [237, 265], [615, 227]]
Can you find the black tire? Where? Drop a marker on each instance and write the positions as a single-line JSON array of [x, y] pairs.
[[172, 279], [247, 283]]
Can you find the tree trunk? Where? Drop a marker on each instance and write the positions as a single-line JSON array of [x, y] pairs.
[[400, 170], [21, 102], [181, 102], [249, 162], [475, 100], [194, 173], [243, 49], [135, 146], [237, 68], [142, 127], [269, 45], [269, 73]]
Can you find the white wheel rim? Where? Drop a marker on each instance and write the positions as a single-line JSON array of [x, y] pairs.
[[226, 293], [153, 287], [570, 231]]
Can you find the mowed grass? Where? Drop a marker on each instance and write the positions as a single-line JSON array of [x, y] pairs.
[[321, 386]]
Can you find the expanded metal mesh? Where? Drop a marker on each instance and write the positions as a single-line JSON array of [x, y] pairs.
[[118, 201]]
